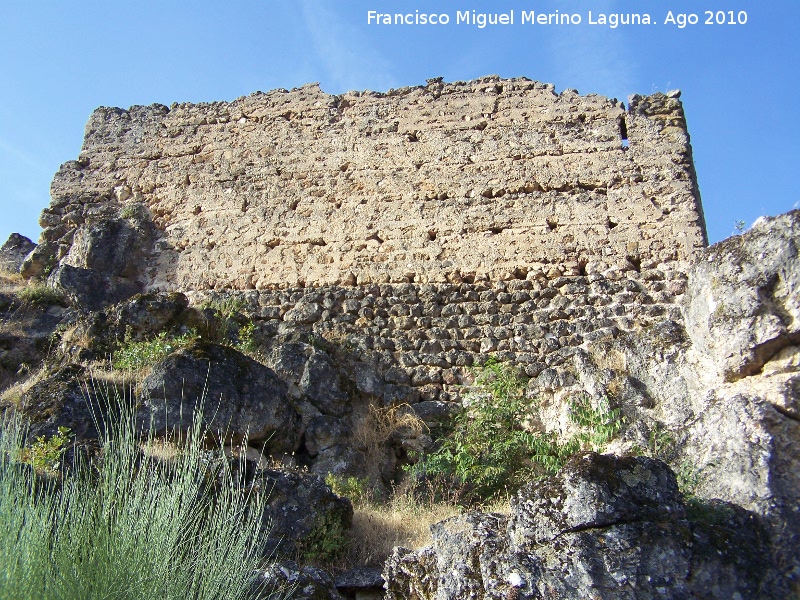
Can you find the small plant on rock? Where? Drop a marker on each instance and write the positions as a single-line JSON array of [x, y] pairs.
[[39, 294], [45, 454], [492, 447], [135, 355]]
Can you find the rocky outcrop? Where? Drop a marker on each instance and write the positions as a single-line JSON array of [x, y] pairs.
[[14, 251], [105, 264], [742, 304], [240, 398], [302, 518], [604, 527]]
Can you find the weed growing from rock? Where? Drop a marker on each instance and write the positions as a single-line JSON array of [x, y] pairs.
[[39, 294], [134, 355], [492, 450]]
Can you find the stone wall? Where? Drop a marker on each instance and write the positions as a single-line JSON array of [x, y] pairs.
[[420, 337], [464, 182]]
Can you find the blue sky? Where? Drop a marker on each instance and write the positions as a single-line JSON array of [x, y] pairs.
[[60, 60]]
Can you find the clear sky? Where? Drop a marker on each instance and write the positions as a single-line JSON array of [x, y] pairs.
[[60, 60]]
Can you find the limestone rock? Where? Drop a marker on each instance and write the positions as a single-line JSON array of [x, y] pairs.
[[364, 583], [622, 550], [63, 399], [14, 251], [239, 397], [300, 582], [321, 384], [302, 514], [743, 298], [90, 289], [595, 492]]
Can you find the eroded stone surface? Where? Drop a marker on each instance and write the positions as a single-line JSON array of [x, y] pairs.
[[445, 182], [630, 552], [742, 304]]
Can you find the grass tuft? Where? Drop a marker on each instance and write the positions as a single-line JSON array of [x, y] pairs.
[[126, 526]]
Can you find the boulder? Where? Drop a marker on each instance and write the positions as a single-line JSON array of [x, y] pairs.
[[288, 579], [62, 399], [146, 315], [14, 251], [90, 289], [239, 397], [742, 303], [364, 583], [594, 492], [303, 517], [604, 527], [105, 263], [111, 247], [321, 384]]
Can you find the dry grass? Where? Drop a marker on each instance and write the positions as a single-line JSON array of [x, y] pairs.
[[378, 528], [12, 395], [380, 424], [402, 521], [11, 282]]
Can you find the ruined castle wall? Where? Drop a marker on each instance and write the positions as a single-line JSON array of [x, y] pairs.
[[422, 337], [489, 180]]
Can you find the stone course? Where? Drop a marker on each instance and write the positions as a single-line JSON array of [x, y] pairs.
[[423, 336], [492, 179]]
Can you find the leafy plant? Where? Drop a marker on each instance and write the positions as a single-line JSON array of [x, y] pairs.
[[600, 424], [491, 447], [40, 295], [247, 341], [139, 354], [327, 540], [688, 478], [45, 454], [228, 326], [355, 488], [660, 442]]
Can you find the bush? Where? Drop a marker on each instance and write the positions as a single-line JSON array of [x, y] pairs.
[[44, 455], [137, 355], [129, 527], [40, 295], [491, 449]]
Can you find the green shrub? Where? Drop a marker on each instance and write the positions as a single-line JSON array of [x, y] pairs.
[[491, 448], [355, 488], [247, 341], [128, 527], [44, 455], [136, 355], [599, 425], [327, 541], [229, 326], [40, 295]]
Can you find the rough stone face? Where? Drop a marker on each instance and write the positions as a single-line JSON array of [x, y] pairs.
[[364, 583], [239, 397], [743, 298], [594, 492], [455, 182], [62, 399], [89, 288], [300, 582], [622, 550], [14, 251], [301, 512], [321, 385]]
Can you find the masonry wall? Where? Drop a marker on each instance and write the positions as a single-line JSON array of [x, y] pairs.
[[484, 181], [422, 337]]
